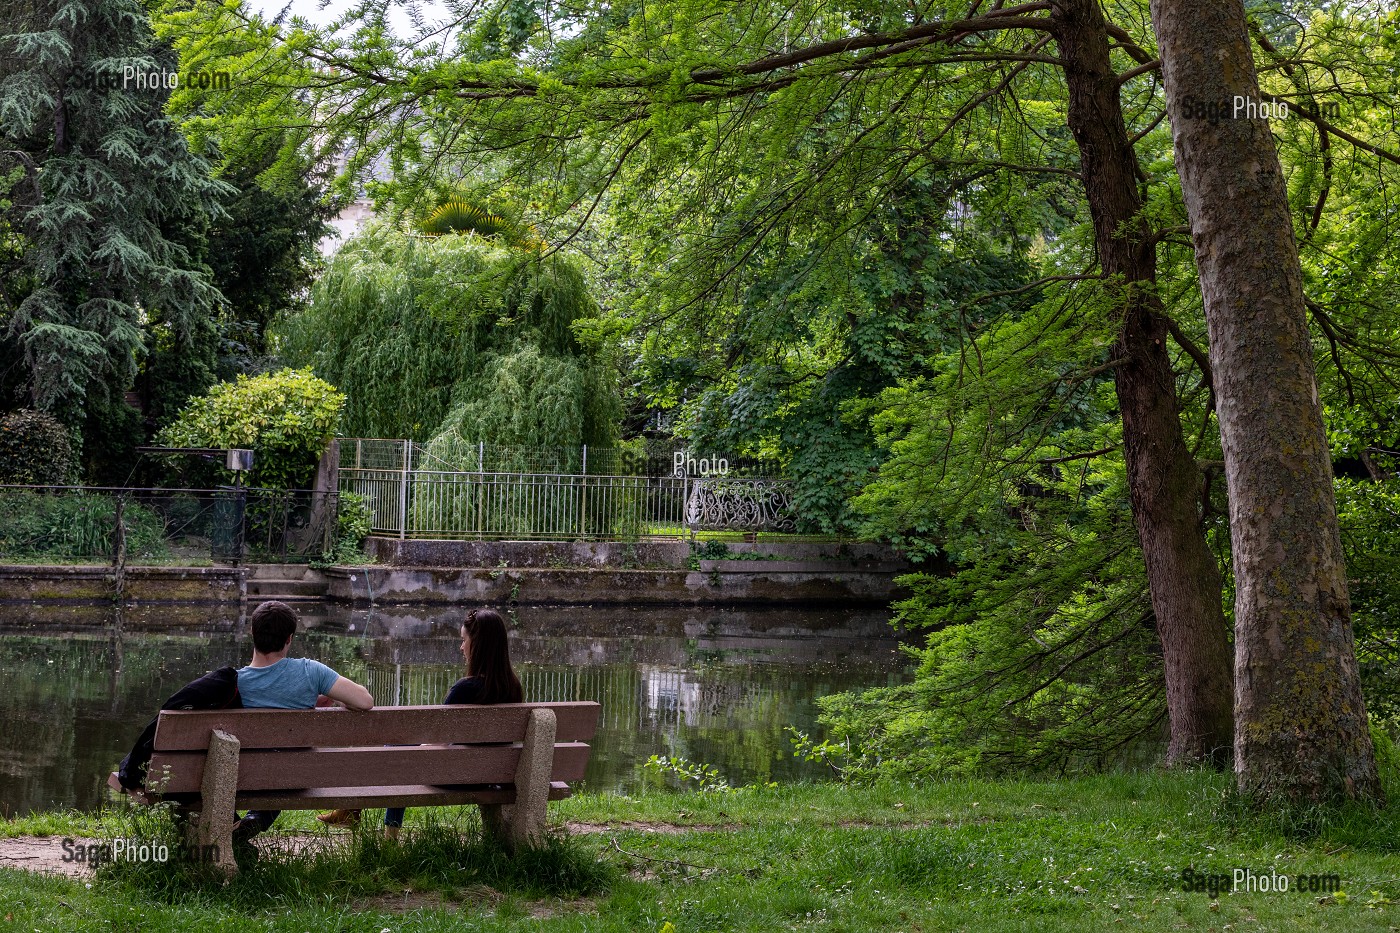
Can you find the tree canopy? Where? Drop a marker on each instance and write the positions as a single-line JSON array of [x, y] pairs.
[[461, 338]]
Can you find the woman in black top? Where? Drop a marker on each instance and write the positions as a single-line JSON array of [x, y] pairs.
[[490, 679]]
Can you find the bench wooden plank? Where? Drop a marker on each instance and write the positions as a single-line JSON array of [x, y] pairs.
[[189, 730], [364, 767], [368, 798]]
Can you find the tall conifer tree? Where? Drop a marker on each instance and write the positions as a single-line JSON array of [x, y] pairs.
[[107, 181]]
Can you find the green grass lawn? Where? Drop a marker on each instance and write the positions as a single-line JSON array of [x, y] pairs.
[[1083, 854]]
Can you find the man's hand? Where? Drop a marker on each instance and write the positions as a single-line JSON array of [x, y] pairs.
[[349, 694]]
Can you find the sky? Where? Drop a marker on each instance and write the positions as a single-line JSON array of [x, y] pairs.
[[307, 8], [310, 9]]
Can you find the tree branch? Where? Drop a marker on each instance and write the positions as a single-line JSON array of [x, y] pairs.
[[1084, 456], [1192, 350], [1144, 68]]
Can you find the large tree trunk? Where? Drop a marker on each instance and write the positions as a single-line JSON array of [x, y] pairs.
[[1301, 730], [1164, 482]]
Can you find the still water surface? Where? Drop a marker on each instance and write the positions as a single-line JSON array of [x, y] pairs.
[[711, 685]]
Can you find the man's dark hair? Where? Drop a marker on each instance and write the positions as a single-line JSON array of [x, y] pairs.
[[273, 624]]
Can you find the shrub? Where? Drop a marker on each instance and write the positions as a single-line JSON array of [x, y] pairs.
[[75, 526], [354, 519], [286, 417], [34, 450]]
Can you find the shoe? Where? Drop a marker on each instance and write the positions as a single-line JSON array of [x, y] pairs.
[[391, 832], [245, 829], [339, 817]]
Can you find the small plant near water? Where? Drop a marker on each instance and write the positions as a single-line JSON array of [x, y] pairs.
[[354, 521], [836, 756], [718, 550], [682, 773], [686, 773]]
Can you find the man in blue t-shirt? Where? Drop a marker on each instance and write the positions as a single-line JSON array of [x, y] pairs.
[[274, 681]]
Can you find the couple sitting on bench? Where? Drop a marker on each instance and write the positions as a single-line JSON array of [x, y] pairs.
[[274, 681]]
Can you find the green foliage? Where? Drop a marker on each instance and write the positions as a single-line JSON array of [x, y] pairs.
[[836, 756], [353, 523], [34, 450], [286, 417], [706, 778], [262, 254], [524, 399], [75, 526], [108, 178], [1369, 516], [458, 215], [719, 550], [457, 339], [682, 773], [1040, 651]]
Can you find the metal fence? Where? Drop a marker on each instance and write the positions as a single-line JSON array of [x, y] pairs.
[[122, 525], [456, 455], [416, 492]]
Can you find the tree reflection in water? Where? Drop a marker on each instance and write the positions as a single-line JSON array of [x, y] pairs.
[[717, 686]]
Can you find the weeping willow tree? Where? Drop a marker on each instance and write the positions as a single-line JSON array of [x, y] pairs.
[[456, 340]]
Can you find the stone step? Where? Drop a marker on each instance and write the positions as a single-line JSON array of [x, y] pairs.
[[279, 572]]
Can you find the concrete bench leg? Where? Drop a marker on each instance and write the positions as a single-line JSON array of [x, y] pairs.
[[522, 823], [209, 835]]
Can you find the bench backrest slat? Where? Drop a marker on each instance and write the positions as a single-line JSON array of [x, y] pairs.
[[182, 772], [403, 725]]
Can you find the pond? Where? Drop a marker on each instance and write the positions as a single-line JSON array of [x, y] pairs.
[[718, 686]]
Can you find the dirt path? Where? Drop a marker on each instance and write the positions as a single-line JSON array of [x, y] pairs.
[[69, 856], [45, 853]]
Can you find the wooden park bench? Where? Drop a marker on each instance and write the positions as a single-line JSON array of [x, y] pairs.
[[509, 759]]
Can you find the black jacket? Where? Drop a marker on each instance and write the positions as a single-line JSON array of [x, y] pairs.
[[215, 690]]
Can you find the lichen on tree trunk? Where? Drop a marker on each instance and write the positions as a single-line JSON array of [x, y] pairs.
[[1301, 731]]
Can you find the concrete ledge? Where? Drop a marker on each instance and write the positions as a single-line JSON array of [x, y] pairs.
[[26, 583], [642, 555], [382, 585], [802, 566]]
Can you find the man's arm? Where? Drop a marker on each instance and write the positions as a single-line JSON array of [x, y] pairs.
[[350, 694]]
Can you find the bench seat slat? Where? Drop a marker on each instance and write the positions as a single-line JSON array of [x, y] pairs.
[[182, 772], [189, 730], [365, 798]]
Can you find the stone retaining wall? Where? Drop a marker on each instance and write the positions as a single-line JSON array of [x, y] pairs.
[[653, 555], [384, 585], [24, 583]]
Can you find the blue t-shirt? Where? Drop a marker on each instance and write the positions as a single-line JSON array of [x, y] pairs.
[[291, 683]]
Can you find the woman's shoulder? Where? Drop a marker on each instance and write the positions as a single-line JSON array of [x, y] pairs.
[[466, 690]]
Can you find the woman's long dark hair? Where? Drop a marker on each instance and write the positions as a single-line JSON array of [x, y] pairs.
[[489, 657]]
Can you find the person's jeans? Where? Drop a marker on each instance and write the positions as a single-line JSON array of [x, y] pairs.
[[393, 816]]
